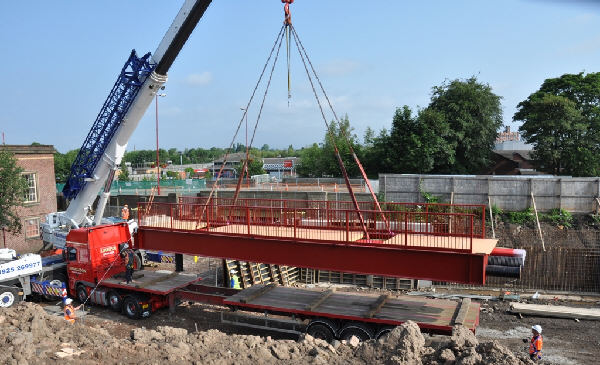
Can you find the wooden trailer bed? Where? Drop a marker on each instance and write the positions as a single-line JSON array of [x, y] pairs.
[[435, 315], [155, 282]]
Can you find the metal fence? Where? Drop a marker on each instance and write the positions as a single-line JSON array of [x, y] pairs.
[[145, 187]]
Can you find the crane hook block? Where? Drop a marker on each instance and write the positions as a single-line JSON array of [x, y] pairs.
[[286, 10]]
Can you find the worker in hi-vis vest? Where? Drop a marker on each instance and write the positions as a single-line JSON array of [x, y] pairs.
[[125, 212], [234, 282], [536, 344], [70, 311]]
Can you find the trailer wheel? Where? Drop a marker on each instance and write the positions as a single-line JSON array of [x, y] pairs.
[[321, 331], [384, 332], [82, 294], [114, 300], [132, 307], [361, 331], [7, 298]]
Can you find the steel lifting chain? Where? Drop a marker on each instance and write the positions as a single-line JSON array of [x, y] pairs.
[[344, 132], [331, 137], [277, 42]]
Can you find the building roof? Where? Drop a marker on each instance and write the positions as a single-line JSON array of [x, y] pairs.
[[280, 159], [232, 157], [23, 149], [525, 154]]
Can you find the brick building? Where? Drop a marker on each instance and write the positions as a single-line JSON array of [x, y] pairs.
[[37, 163]]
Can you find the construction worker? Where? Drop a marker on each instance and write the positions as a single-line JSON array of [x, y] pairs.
[[535, 346], [125, 212], [129, 257], [234, 282], [70, 311]]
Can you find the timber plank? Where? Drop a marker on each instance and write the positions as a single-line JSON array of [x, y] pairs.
[[324, 295], [557, 311], [463, 309], [376, 307]]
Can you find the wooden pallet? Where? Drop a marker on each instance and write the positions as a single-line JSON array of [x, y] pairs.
[[253, 273]]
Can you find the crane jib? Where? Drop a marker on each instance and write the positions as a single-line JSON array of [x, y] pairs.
[[133, 75]]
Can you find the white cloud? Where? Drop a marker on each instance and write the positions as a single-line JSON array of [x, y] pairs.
[[200, 79]]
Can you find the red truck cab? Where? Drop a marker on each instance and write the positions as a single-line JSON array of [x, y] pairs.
[[92, 254]]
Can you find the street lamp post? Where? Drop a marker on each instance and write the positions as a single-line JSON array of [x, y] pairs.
[[157, 157], [247, 162]]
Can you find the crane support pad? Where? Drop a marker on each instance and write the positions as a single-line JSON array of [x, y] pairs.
[[351, 257], [432, 315]]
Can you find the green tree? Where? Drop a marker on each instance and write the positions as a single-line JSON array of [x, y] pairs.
[[124, 172], [255, 167], [62, 164], [562, 121], [418, 144], [320, 160], [474, 115], [12, 192]]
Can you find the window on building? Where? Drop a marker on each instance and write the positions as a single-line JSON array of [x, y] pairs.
[[31, 193], [32, 228]]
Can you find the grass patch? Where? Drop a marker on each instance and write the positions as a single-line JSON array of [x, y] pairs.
[[522, 217], [559, 217]]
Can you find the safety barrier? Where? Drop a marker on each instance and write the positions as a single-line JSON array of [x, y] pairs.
[[406, 226], [328, 205]]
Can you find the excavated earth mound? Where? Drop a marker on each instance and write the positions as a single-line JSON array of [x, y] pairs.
[[28, 335]]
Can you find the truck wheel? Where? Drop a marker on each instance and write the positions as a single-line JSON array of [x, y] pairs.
[[137, 262], [384, 332], [361, 331], [7, 298], [132, 307], [320, 331], [82, 294], [114, 300]]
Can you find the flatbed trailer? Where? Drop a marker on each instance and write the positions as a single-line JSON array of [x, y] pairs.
[[148, 292], [328, 314]]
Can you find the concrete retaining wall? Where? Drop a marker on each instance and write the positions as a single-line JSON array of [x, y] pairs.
[[510, 193]]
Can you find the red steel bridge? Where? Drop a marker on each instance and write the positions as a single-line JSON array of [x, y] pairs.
[[439, 242]]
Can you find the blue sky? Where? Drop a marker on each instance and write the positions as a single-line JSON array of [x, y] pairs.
[[60, 59]]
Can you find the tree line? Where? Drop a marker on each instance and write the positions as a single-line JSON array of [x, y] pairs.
[[63, 161], [454, 134]]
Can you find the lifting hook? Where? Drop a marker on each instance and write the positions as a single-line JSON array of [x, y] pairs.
[[286, 10]]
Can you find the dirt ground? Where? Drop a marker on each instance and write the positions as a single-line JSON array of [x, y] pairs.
[[194, 334]]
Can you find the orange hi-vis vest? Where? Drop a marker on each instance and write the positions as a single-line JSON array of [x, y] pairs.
[[70, 313], [535, 347], [125, 213]]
